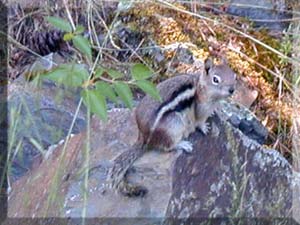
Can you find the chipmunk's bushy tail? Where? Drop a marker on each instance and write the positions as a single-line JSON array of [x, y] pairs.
[[121, 164]]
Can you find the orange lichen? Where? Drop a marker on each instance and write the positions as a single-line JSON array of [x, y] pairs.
[[168, 33]]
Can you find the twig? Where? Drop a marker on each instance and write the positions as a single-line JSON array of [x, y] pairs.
[[69, 14]]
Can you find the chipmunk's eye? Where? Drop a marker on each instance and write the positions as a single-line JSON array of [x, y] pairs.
[[216, 80]]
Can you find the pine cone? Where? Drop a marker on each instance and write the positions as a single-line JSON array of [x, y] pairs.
[[44, 43]]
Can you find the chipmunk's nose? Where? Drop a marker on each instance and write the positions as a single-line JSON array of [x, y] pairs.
[[231, 90]]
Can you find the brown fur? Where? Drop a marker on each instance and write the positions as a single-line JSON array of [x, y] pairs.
[[145, 118], [162, 125]]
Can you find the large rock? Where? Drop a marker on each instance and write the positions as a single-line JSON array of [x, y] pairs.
[[226, 175], [229, 175]]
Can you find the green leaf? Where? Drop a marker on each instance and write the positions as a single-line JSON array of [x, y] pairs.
[[149, 88], [78, 74], [68, 36], [60, 23], [79, 29], [140, 72], [106, 90], [69, 74], [99, 71], [124, 93], [114, 73], [83, 45], [58, 75], [95, 102]]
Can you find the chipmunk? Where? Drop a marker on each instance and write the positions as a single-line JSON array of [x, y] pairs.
[[187, 102]]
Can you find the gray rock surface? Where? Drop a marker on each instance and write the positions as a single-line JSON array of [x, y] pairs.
[[38, 118], [227, 175], [265, 13], [245, 121]]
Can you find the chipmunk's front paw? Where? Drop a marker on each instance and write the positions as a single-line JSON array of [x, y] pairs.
[[185, 146], [204, 127]]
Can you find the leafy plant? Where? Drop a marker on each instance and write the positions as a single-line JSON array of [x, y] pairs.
[[100, 84]]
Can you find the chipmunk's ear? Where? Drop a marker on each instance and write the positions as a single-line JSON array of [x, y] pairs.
[[208, 64]]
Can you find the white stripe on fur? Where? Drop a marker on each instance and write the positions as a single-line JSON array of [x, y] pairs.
[[182, 96]]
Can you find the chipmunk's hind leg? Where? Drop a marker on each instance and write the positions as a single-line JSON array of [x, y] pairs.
[[170, 133]]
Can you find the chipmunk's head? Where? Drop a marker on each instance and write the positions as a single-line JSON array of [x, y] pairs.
[[218, 80]]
